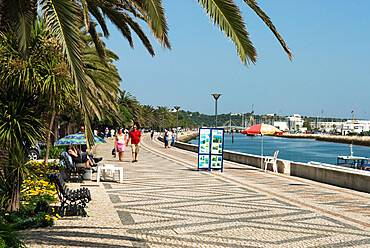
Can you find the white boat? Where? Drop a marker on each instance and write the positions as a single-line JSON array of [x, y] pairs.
[[360, 163]]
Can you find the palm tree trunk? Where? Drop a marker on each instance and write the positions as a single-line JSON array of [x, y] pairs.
[[55, 136], [4, 19], [4, 155], [16, 194], [48, 132]]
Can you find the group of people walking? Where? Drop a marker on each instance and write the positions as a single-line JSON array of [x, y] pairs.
[[169, 138], [122, 140]]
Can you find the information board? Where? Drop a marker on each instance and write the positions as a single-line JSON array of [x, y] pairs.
[[204, 140], [211, 148]]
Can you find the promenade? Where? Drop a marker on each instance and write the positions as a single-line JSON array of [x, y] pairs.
[[165, 202]]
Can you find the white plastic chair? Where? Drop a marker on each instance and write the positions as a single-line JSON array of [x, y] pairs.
[[110, 169], [272, 161]]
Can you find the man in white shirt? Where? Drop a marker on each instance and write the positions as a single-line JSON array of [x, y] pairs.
[[169, 138]]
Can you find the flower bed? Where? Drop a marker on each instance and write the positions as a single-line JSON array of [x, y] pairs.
[[36, 187], [36, 195]]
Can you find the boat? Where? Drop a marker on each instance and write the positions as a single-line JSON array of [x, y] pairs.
[[360, 163]]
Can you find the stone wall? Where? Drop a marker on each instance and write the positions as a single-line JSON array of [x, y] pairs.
[[348, 178]]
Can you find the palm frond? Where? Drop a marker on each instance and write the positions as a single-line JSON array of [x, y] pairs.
[[86, 15], [62, 18], [254, 6], [100, 49], [140, 33], [227, 15], [154, 15], [94, 10], [21, 13], [116, 18]]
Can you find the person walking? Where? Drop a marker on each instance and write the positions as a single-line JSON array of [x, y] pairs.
[[120, 144], [135, 137], [106, 132], [151, 134], [112, 132], [165, 138], [173, 138], [169, 136]]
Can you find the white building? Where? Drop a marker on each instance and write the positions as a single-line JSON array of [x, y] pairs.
[[295, 122], [328, 126], [282, 125], [355, 126]]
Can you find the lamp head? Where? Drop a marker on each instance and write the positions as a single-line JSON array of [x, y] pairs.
[[177, 107], [216, 96]]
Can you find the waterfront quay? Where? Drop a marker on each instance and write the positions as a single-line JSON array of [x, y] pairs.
[[165, 202]]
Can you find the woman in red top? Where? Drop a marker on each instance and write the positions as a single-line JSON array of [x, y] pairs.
[[134, 136]]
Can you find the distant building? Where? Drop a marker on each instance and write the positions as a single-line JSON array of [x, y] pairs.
[[328, 126], [356, 126], [282, 125], [291, 123], [295, 122]]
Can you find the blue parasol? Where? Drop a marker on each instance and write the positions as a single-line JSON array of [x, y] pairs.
[[77, 139]]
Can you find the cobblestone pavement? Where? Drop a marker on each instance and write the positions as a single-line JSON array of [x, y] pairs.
[[165, 202]]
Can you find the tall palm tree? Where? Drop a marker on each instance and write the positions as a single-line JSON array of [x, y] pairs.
[[131, 104], [63, 16], [102, 77]]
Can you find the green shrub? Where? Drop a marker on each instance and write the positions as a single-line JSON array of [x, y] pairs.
[[27, 219], [54, 152], [9, 237], [38, 220]]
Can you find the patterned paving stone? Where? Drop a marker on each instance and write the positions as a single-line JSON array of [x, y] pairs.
[[174, 205], [165, 202]]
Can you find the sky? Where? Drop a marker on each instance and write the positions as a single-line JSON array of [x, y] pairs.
[[329, 76]]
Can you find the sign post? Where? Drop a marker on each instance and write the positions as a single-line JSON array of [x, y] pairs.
[[211, 148]]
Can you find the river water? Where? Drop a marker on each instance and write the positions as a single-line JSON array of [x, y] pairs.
[[298, 150]]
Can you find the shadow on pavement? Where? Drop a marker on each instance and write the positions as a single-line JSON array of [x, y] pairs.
[[61, 237]]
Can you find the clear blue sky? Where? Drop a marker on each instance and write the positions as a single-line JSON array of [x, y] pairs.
[[329, 76]]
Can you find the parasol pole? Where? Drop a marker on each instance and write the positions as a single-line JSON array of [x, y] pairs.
[[261, 151]]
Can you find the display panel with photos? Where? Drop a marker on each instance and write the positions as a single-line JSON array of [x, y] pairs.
[[203, 162], [210, 150], [204, 140], [217, 141], [216, 162]]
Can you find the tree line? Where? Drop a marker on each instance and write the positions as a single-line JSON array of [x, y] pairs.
[[55, 68]]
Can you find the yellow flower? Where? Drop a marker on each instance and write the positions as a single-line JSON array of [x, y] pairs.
[[47, 217], [57, 215]]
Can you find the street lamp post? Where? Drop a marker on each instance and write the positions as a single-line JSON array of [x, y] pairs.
[[177, 119], [216, 96], [163, 121]]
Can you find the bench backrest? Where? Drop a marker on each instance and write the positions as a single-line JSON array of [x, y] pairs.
[[66, 161], [64, 192], [59, 182]]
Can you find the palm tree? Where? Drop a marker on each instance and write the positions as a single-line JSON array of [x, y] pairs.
[[132, 105], [149, 120], [62, 18], [19, 129], [102, 77], [166, 117]]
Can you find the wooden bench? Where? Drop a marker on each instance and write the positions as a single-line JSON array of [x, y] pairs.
[[73, 170], [70, 198]]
